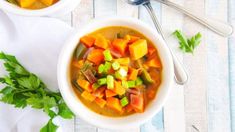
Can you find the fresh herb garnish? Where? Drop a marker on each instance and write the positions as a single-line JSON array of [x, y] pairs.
[[23, 88], [187, 45]]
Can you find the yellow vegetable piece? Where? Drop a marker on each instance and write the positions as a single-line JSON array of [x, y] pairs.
[[88, 96], [48, 2], [123, 61], [26, 3], [138, 49]]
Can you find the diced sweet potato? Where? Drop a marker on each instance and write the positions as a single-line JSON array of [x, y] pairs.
[[138, 49], [88, 41], [153, 62], [123, 61], [110, 93], [96, 56], [151, 50], [101, 102], [84, 84], [137, 102], [118, 88], [132, 74], [120, 45], [101, 41], [131, 38], [114, 104], [26, 3], [88, 96]]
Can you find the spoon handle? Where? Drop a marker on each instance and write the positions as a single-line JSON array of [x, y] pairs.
[[222, 28], [181, 76]]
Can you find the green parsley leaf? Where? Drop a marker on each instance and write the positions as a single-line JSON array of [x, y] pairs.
[[187, 45], [50, 127], [64, 111]]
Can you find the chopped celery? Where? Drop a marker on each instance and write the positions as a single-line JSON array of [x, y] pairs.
[[110, 82], [146, 77], [102, 81], [107, 66], [101, 68], [131, 84], [80, 51], [138, 81], [107, 55], [74, 82], [115, 65], [124, 101], [124, 84], [95, 86]]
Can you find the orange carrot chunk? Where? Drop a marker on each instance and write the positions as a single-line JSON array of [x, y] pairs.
[[78, 64], [88, 96], [101, 102], [131, 38], [118, 88], [88, 41], [96, 56], [137, 102], [138, 49], [133, 73], [151, 50], [99, 92], [101, 42], [153, 62], [120, 45], [114, 104], [84, 84], [110, 93]]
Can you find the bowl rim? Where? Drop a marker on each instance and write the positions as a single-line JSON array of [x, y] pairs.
[[65, 85], [48, 11]]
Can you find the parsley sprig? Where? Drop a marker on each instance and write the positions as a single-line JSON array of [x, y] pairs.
[[23, 88], [187, 45]]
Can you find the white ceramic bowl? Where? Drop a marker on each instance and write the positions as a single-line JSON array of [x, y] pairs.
[[109, 122], [59, 8]]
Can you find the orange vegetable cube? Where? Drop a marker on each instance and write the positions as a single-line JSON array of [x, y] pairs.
[[110, 93], [137, 102], [26, 3], [99, 92], [114, 104], [123, 61], [96, 56], [101, 42], [138, 49], [78, 64], [133, 73], [100, 102], [131, 38], [129, 108], [88, 41], [151, 50], [88, 96], [118, 88], [84, 84], [48, 2], [120, 45], [153, 62]]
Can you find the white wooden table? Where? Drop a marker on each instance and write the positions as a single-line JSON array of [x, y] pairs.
[[207, 101]]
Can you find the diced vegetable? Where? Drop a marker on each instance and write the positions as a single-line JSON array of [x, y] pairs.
[[107, 66], [133, 91], [101, 68], [96, 56], [107, 55], [100, 102], [88, 41], [133, 73], [99, 93], [118, 88], [123, 61], [74, 82], [102, 81], [48, 2], [131, 84], [120, 45], [124, 101], [80, 51], [146, 77], [124, 84], [101, 42], [95, 86], [84, 84], [121, 73], [115, 65], [89, 76], [137, 102], [88, 96], [78, 64], [138, 81], [110, 82], [131, 38], [151, 50], [115, 53], [138, 49], [129, 108], [114, 103], [110, 93], [26, 3], [153, 62]]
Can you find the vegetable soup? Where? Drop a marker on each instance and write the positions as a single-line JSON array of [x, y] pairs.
[[115, 71], [33, 4]]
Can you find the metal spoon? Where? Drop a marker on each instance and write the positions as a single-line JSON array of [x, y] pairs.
[[181, 76]]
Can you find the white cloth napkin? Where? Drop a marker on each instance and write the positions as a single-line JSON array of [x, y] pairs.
[[36, 42]]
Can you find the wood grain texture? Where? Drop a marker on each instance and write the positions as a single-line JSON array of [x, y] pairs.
[[231, 47], [174, 117], [218, 88]]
